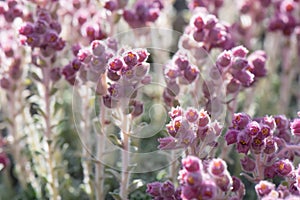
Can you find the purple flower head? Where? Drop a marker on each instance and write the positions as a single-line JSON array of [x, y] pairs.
[[263, 188], [26, 29], [224, 182], [217, 167], [130, 58], [189, 193], [186, 137], [193, 179], [208, 190], [116, 64], [240, 120], [191, 73], [253, 128], [171, 72], [270, 172], [175, 112], [231, 136], [236, 184], [167, 143], [143, 55], [181, 61], [257, 65], [204, 119], [198, 22], [192, 164], [98, 47], [113, 75], [167, 189], [271, 146], [239, 64], [284, 167], [191, 115], [265, 131], [281, 122], [243, 142], [224, 59], [257, 144], [248, 164], [137, 108], [154, 189], [295, 127], [240, 51], [171, 129], [233, 86], [245, 77], [269, 121]]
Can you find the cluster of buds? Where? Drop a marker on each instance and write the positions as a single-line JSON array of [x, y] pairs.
[[212, 5], [91, 61], [178, 71], [207, 32], [114, 5], [14, 72], [190, 129], [208, 179], [42, 33], [165, 190], [255, 9], [10, 58], [266, 138], [284, 18], [10, 10], [240, 69], [143, 13], [266, 190], [126, 72]]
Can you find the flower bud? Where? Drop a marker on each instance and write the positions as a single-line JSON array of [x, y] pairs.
[[263, 188], [231, 136], [191, 164], [154, 189], [166, 143]]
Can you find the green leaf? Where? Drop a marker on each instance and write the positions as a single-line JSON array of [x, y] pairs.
[[53, 91], [136, 184], [35, 76], [115, 140], [116, 196]]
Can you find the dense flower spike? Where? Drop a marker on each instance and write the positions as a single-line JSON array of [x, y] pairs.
[[189, 129], [269, 138], [243, 69], [42, 34], [207, 181], [143, 13], [207, 32], [178, 71]]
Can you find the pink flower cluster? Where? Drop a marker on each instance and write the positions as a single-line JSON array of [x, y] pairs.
[[143, 13], [241, 69], [205, 32], [91, 61], [208, 179], [126, 71], [178, 71], [190, 128], [42, 33]]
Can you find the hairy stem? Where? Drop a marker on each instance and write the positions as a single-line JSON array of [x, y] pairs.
[[125, 157], [86, 131], [53, 184], [100, 193]]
